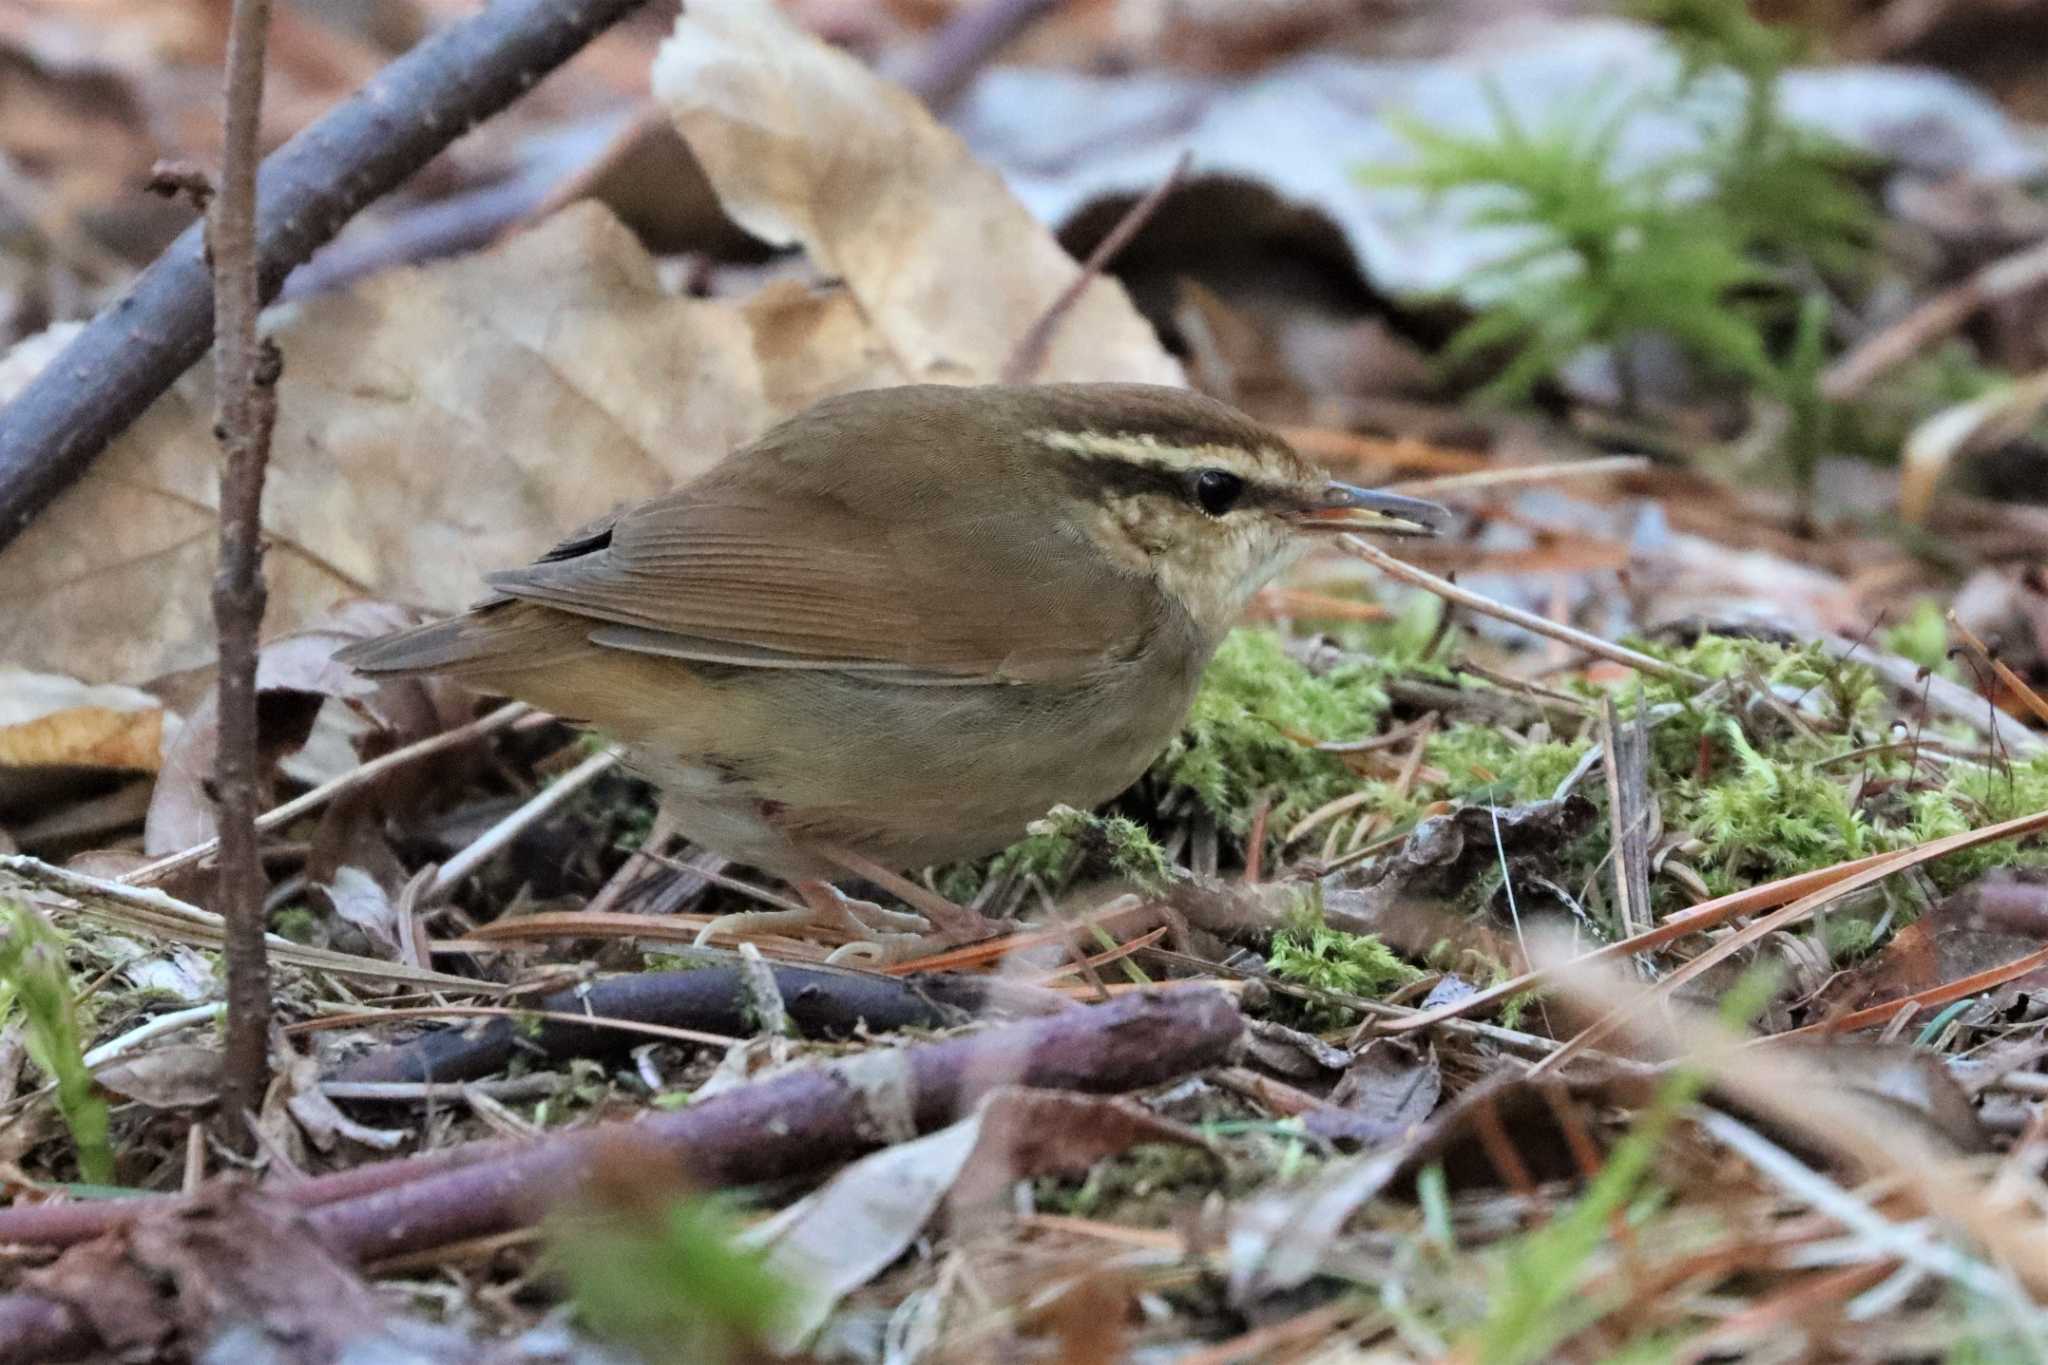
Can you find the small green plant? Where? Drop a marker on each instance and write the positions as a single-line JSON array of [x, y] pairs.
[[672, 1281], [33, 977], [1612, 255], [1717, 250], [1120, 842], [1330, 960]]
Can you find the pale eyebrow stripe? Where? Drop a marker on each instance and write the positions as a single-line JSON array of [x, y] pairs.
[[1145, 448]]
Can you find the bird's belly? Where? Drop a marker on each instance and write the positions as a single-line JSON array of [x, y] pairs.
[[906, 776]]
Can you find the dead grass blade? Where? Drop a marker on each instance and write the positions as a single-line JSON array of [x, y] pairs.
[[1803, 908], [139, 909]]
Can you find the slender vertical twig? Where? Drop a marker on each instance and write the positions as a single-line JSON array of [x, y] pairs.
[[245, 379]]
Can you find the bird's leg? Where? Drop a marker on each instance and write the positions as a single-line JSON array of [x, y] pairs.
[[879, 934], [955, 923]]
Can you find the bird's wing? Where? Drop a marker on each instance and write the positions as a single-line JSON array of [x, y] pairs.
[[940, 591]]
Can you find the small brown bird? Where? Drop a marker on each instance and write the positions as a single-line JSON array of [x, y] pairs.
[[908, 621]]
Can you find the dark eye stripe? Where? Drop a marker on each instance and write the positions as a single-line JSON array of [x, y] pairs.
[[1097, 476]]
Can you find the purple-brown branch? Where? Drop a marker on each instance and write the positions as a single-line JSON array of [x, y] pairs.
[[1028, 358], [245, 408], [365, 147], [797, 1123]]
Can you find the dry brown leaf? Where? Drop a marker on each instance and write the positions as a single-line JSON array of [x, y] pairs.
[[834, 1240], [436, 423], [174, 1076], [48, 721], [433, 424], [295, 677], [804, 145]]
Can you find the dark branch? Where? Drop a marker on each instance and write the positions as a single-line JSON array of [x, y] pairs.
[[822, 1002]]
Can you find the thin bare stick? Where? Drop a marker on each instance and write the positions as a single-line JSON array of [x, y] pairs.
[[964, 44], [493, 840], [1916, 333], [310, 801], [68, 894], [1537, 473], [1540, 625], [1029, 358], [245, 405], [360, 1018]]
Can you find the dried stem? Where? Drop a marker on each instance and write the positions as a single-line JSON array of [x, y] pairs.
[[1028, 359], [246, 370], [305, 803], [1527, 620]]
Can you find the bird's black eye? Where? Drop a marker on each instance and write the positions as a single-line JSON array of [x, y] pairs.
[[1217, 490]]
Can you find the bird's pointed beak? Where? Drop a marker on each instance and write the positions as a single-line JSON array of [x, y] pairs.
[[1343, 507]]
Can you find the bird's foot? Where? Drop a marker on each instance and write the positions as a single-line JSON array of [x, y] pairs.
[[954, 924], [880, 935]]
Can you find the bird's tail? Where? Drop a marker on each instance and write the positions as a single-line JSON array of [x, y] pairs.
[[491, 642]]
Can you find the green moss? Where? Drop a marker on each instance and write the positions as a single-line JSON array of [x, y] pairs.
[[296, 923], [1763, 796], [1974, 797], [1140, 1185], [1331, 960], [1921, 637], [1054, 847], [1116, 840], [1485, 765], [1253, 727]]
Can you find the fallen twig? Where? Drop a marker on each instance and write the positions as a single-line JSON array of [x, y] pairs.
[[1916, 333], [499, 836], [1436, 485], [138, 346], [800, 1121], [63, 893], [964, 44], [822, 1002]]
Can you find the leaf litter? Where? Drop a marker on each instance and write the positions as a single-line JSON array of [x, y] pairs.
[[1397, 834]]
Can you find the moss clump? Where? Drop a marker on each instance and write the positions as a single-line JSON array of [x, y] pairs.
[[1331, 960], [1973, 797], [1116, 840], [1065, 841], [1485, 765], [1778, 770], [1921, 637], [1253, 728], [1139, 1187]]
